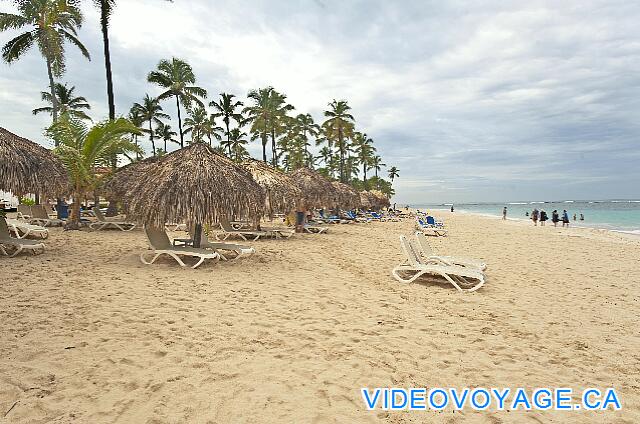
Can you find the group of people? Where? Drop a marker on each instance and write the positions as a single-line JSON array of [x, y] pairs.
[[541, 215]]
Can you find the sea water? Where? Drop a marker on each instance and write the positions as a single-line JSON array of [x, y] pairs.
[[617, 215]]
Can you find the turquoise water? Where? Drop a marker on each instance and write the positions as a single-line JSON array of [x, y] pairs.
[[619, 215]]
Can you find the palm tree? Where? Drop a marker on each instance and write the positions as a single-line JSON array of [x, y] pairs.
[[364, 151], [83, 149], [50, 23], [177, 77], [227, 108], [339, 127], [237, 141], [200, 126], [376, 164], [106, 7], [166, 133], [277, 124], [136, 119], [393, 173], [66, 102], [260, 116], [306, 126], [151, 111]]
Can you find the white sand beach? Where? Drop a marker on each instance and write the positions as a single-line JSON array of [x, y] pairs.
[[91, 335]]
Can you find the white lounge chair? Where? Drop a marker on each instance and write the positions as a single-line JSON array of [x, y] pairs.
[[161, 245], [103, 223], [24, 230], [24, 212], [278, 232], [315, 229], [227, 232], [463, 279], [227, 251], [429, 256], [8, 242], [40, 216], [430, 230]]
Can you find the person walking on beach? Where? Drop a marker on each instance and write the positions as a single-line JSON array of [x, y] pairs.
[[555, 217], [504, 213], [451, 208], [581, 217], [565, 218], [534, 217], [574, 217], [543, 218]]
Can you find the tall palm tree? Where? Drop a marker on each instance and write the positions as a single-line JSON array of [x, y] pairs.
[[200, 126], [339, 127], [393, 173], [66, 101], [237, 141], [50, 23], [166, 133], [364, 152], [306, 126], [227, 108], [83, 149], [260, 116], [376, 164], [106, 7], [151, 111], [278, 122], [136, 119], [178, 78]]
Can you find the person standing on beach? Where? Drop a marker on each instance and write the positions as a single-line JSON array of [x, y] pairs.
[[534, 217], [504, 213], [565, 218], [451, 208], [555, 217], [581, 217], [543, 218], [574, 217]]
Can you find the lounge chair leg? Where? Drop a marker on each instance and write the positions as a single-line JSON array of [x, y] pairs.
[[174, 256], [18, 250], [198, 263]]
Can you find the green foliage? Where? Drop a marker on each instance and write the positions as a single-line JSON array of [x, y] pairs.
[[27, 201], [67, 102]]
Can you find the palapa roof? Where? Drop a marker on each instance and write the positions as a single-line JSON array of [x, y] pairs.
[[347, 196], [317, 190], [27, 167], [367, 200], [382, 199], [281, 191], [193, 185], [118, 183]]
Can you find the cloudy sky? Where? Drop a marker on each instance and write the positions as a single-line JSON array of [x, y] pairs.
[[472, 101]]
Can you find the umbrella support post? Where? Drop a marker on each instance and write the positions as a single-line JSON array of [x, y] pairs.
[[197, 235]]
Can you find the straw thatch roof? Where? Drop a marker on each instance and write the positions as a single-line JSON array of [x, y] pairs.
[[367, 200], [347, 196], [117, 184], [317, 190], [27, 167], [192, 185], [382, 199], [281, 191]]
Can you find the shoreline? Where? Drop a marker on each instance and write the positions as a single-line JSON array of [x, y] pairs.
[[631, 233]]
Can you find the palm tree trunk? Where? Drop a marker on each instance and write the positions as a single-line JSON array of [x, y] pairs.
[[54, 100], [264, 147], [226, 124], [274, 158], [180, 123], [364, 172], [153, 144], [104, 22], [165, 145]]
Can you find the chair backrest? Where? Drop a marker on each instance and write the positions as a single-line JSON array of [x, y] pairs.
[[24, 210], [4, 229], [431, 220], [224, 224], [423, 244], [38, 211], [409, 251], [98, 213], [158, 238]]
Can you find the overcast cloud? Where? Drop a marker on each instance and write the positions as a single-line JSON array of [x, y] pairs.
[[472, 101]]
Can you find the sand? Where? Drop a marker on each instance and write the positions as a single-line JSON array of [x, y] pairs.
[[91, 335]]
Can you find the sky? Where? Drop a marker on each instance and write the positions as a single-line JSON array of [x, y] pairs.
[[472, 101]]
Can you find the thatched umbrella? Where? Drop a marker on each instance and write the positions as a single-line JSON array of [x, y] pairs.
[[120, 181], [317, 190], [381, 199], [281, 191], [194, 185], [347, 196], [367, 199], [27, 167]]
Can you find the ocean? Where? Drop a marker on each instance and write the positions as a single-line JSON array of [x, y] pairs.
[[616, 215]]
